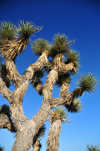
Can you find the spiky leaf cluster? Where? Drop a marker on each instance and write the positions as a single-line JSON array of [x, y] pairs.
[[40, 45], [26, 29], [60, 110], [5, 109], [63, 78], [75, 106], [7, 31], [59, 45], [92, 148], [87, 82], [73, 57]]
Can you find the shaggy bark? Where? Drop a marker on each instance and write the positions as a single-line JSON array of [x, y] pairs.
[[65, 68], [64, 89], [12, 72], [53, 136]]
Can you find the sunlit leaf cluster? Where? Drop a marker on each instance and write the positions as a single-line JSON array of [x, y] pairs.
[[40, 45], [7, 31], [60, 110], [25, 29], [59, 45], [87, 82]]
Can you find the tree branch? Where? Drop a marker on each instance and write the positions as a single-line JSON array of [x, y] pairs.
[[13, 74], [21, 90], [6, 122], [6, 93], [49, 83], [42, 114], [39, 64], [67, 99], [65, 68]]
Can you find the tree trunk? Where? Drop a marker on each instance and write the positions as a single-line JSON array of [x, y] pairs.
[[27, 129], [24, 136], [53, 136], [37, 145]]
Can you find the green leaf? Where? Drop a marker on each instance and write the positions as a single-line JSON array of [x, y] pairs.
[[59, 45], [7, 31], [40, 45], [87, 83], [61, 111], [26, 29]]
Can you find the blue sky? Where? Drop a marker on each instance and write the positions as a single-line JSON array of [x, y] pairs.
[[80, 20]]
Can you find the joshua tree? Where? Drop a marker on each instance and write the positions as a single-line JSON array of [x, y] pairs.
[[36, 141], [13, 40], [56, 117], [92, 148]]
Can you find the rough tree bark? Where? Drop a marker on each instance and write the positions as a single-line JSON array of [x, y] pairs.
[[53, 136]]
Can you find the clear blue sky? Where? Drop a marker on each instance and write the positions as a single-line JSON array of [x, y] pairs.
[[80, 20]]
